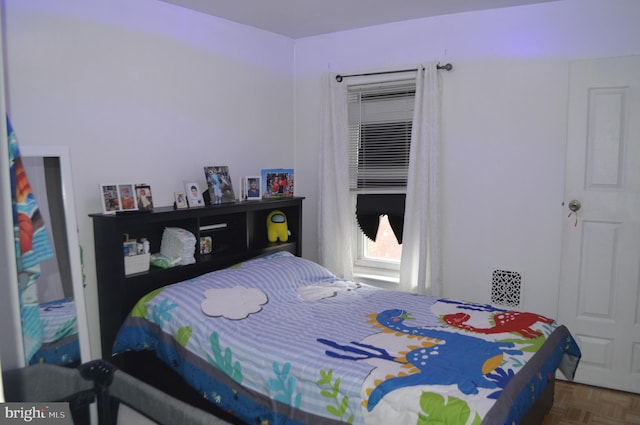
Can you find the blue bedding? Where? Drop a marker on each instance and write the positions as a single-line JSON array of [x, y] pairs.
[[281, 340], [59, 326]]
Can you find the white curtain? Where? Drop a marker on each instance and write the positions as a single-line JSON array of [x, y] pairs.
[[420, 269], [335, 215], [421, 261]]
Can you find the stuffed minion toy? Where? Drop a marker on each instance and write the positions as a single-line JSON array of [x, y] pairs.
[[277, 227]]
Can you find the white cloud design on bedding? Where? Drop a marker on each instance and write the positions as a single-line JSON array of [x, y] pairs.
[[233, 303]]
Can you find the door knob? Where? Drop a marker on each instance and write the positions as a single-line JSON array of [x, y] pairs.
[[575, 205]]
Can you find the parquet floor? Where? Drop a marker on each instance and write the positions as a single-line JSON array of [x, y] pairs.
[[576, 404]]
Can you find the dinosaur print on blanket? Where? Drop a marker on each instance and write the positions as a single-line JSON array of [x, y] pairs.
[[510, 321], [438, 357]]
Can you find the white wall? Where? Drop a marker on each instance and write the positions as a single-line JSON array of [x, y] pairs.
[[504, 127], [145, 91]]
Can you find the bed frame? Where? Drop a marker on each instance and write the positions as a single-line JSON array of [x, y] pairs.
[[118, 294], [146, 367]]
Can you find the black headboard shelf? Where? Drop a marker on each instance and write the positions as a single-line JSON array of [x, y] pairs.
[[237, 231]]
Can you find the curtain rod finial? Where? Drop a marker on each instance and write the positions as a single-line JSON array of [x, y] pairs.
[[446, 67], [339, 78]]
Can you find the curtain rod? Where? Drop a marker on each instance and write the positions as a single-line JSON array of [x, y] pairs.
[[339, 78]]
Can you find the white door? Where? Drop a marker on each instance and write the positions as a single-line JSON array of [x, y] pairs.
[[600, 281]]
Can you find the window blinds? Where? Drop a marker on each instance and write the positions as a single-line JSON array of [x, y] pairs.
[[380, 121]]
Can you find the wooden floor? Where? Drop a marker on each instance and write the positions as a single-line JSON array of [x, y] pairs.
[[581, 404]]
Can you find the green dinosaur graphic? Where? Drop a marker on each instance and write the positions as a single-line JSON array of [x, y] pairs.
[[183, 335], [224, 362], [284, 385], [141, 308], [530, 345], [450, 412], [339, 407]]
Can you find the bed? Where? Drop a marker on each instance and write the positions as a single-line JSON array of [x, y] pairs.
[[60, 344], [281, 340]]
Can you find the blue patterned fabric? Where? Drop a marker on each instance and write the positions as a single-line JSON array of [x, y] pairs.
[[324, 350], [60, 343], [32, 247]]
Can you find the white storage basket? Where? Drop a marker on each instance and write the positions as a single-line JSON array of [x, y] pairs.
[[136, 263]]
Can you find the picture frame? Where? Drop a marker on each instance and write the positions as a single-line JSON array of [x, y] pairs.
[[219, 185], [252, 186], [110, 198], [206, 245], [128, 201], [144, 198], [180, 199], [193, 194], [277, 183]]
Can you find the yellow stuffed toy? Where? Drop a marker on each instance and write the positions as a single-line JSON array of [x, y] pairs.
[[277, 226]]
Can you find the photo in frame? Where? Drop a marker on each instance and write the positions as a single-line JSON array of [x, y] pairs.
[[143, 197], [219, 184], [127, 197], [252, 185], [206, 245], [193, 194], [277, 183], [110, 198], [180, 200]]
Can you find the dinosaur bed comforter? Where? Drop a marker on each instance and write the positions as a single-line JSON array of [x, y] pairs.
[[60, 333], [280, 339]]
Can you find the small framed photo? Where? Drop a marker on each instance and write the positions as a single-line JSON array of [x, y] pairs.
[[219, 184], [194, 196], [277, 183], [180, 199], [110, 198], [206, 245], [253, 185], [127, 197], [143, 197]]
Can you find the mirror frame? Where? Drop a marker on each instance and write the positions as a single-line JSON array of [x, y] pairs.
[[64, 156]]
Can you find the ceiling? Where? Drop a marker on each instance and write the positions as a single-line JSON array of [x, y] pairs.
[[303, 18]]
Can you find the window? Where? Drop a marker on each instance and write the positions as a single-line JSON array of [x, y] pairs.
[[380, 122]]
